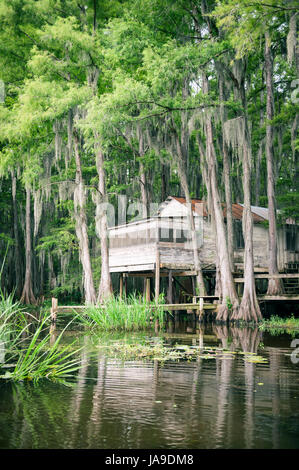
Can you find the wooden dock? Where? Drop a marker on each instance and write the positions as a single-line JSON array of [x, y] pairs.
[[199, 307], [198, 304], [278, 297], [270, 276]]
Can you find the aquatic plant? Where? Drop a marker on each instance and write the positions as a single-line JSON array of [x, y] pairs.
[[27, 356], [117, 313], [277, 325], [13, 324], [157, 350], [255, 359], [12, 312], [228, 303]]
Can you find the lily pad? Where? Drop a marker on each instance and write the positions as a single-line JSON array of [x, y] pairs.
[[256, 359]]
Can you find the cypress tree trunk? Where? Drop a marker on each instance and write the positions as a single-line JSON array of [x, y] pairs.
[[17, 255], [143, 186], [164, 182], [227, 184], [144, 198], [81, 228], [184, 183], [229, 211], [249, 307], [207, 182], [274, 285], [182, 146], [27, 294], [230, 301], [105, 287], [51, 273], [259, 158]]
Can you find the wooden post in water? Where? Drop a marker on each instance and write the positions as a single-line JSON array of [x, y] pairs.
[[54, 310], [52, 333], [121, 285], [157, 285], [200, 341], [239, 289], [201, 309], [125, 285], [148, 289], [169, 290], [157, 276]]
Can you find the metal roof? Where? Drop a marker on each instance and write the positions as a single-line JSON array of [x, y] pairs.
[[259, 214]]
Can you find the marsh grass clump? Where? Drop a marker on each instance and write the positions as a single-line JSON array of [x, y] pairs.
[[13, 324], [33, 356], [277, 325], [11, 311], [130, 313]]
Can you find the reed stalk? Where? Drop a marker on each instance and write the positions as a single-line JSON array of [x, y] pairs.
[[131, 313]]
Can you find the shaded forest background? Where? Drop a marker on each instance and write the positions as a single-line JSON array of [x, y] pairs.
[[143, 98]]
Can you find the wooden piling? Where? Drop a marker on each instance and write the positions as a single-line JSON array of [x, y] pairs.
[[121, 285], [169, 290], [157, 276], [148, 289], [200, 339], [125, 285], [54, 310], [201, 307], [52, 333]]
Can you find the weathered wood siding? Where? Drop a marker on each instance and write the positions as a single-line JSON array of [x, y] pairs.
[[285, 256], [208, 252], [176, 257], [138, 258], [260, 247], [133, 247]]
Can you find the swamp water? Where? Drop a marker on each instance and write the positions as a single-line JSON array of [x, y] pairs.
[[209, 395]]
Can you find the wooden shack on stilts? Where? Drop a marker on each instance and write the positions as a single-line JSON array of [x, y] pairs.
[[159, 250]]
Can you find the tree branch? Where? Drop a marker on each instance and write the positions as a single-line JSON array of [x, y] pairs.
[[276, 7]]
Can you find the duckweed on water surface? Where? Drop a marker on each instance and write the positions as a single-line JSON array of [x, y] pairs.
[[276, 325], [162, 352]]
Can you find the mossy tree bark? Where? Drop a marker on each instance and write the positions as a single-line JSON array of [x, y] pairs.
[[105, 287], [182, 146], [200, 285], [249, 307], [275, 286], [142, 174], [227, 181], [81, 228], [27, 296], [259, 156], [17, 254], [229, 302]]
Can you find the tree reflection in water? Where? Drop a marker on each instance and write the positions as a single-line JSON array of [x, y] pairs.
[[221, 402]]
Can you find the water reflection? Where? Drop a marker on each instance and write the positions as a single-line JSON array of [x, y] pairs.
[[224, 402]]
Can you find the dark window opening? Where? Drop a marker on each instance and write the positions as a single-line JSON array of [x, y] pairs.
[[166, 234], [238, 235], [181, 236], [292, 238]]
